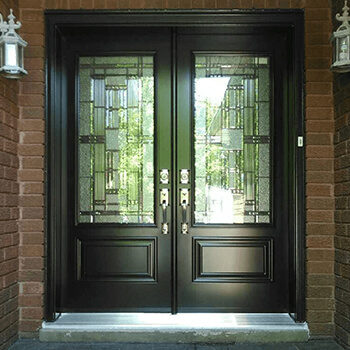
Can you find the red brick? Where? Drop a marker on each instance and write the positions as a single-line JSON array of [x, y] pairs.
[[320, 316], [317, 177], [160, 4], [320, 267], [319, 215], [33, 51], [31, 251], [32, 15], [319, 190], [30, 4], [209, 4], [31, 201], [32, 238], [32, 112], [319, 126], [259, 4], [319, 88], [312, 63], [34, 75], [29, 325], [317, 254], [32, 163], [319, 151], [318, 75], [32, 213], [32, 28], [32, 188], [317, 113], [75, 4], [34, 39], [319, 242], [33, 138], [271, 4], [197, 4], [31, 175], [31, 225], [111, 4], [320, 203], [34, 63], [319, 101], [323, 330], [320, 279], [316, 4], [31, 288], [31, 150], [319, 164], [316, 26], [31, 125], [318, 13], [31, 313], [222, 4], [31, 263], [319, 303], [10, 279]]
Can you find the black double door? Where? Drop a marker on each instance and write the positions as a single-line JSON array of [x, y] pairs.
[[175, 171]]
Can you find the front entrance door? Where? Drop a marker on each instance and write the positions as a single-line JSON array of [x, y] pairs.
[[176, 170]]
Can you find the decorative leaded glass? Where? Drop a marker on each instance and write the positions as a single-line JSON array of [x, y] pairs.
[[116, 139], [232, 139]]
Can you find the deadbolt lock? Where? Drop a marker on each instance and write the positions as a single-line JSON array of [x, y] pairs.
[[184, 176]]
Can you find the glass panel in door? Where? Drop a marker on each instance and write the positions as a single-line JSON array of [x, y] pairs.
[[116, 139], [232, 139]]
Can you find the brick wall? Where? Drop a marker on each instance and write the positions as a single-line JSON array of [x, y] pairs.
[[9, 237], [342, 201], [319, 149]]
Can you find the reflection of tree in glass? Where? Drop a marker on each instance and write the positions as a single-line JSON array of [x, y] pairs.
[[136, 164]]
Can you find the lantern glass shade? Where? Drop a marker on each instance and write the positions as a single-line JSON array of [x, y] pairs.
[[11, 60], [11, 55], [341, 51]]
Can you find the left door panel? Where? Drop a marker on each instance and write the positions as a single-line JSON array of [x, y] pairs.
[[116, 109]]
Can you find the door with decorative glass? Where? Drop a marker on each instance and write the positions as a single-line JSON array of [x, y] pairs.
[[176, 171], [232, 137], [119, 92]]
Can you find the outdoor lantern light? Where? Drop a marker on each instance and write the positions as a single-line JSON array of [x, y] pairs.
[[11, 48], [341, 43]]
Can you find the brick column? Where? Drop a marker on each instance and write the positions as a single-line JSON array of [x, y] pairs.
[[31, 175], [9, 237], [342, 202]]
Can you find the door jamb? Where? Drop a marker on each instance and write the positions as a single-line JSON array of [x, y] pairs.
[[57, 21]]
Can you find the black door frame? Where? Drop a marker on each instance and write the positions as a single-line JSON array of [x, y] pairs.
[[60, 22]]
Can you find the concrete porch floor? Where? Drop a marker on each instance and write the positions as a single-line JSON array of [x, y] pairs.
[[35, 344]]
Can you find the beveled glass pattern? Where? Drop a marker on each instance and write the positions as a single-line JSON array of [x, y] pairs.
[[116, 139], [232, 139]]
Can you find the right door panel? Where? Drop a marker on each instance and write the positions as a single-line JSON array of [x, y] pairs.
[[233, 232]]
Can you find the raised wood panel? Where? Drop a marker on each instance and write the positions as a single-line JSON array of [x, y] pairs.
[[232, 260], [118, 260]]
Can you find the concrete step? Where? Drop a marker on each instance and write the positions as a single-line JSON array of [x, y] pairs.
[[180, 328]]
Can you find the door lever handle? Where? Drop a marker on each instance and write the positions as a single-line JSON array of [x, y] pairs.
[[184, 211], [184, 195], [164, 202]]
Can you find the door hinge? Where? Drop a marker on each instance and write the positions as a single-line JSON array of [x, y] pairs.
[[300, 141]]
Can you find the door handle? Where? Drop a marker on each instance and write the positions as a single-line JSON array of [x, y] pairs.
[[184, 202], [164, 202]]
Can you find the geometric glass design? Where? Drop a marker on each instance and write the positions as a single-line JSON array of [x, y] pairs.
[[116, 139], [232, 139]]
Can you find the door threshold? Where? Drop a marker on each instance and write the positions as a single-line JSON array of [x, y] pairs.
[[180, 328]]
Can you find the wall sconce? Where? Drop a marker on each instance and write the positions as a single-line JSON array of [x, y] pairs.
[[11, 49], [341, 42]]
